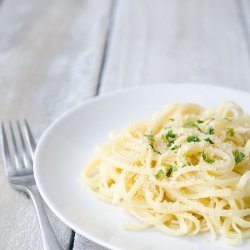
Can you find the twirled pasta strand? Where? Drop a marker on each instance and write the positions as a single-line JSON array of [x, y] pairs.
[[184, 171]]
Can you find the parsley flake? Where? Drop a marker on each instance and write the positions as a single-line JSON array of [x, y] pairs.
[[231, 132], [170, 170], [210, 131], [209, 140], [192, 125], [169, 137], [156, 151], [159, 174], [170, 134], [193, 138], [206, 158], [189, 125], [175, 147], [200, 121], [150, 137], [238, 156]]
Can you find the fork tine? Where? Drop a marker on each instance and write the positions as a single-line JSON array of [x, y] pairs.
[[6, 150], [27, 154], [21, 135], [30, 137], [18, 158]]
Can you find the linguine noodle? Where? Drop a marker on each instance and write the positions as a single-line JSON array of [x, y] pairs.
[[183, 171]]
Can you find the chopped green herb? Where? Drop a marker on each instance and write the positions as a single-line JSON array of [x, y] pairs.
[[192, 125], [170, 134], [200, 121], [171, 119], [193, 138], [231, 132], [184, 165], [150, 137], [175, 147], [238, 156], [156, 151], [226, 118], [170, 170], [209, 140], [206, 158], [170, 144], [169, 137], [210, 131], [189, 125], [159, 174]]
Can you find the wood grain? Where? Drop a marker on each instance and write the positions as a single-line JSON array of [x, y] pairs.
[[50, 55], [177, 41], [52, 58], [244, 12]]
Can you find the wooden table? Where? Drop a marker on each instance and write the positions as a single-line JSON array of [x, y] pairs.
[[56, 54]]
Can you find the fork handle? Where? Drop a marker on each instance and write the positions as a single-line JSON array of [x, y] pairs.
[[48, 236]]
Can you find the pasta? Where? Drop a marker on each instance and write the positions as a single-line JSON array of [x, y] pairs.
[[184, 171]]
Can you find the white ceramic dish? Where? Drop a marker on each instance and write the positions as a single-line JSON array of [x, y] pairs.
[[69, 143]]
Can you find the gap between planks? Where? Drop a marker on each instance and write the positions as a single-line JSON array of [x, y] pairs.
[[100, 75], [242, 8], [106, 44]]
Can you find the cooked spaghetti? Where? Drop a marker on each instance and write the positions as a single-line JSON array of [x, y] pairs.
[[185, 170]]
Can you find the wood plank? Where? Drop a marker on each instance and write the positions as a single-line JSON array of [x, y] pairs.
[[176, 41], [244, 12], [166, 40], [50, 55]]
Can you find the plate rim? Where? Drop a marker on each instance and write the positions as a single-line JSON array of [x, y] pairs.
[[87, 102]]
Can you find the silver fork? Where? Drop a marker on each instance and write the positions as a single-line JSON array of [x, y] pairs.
[[18, 161]]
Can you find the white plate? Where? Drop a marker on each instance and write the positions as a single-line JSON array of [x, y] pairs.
[[69, 143]]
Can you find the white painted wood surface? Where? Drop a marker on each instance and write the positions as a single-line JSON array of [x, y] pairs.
[[53, 56], [177, 41], [244, 12], [50, 55]]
